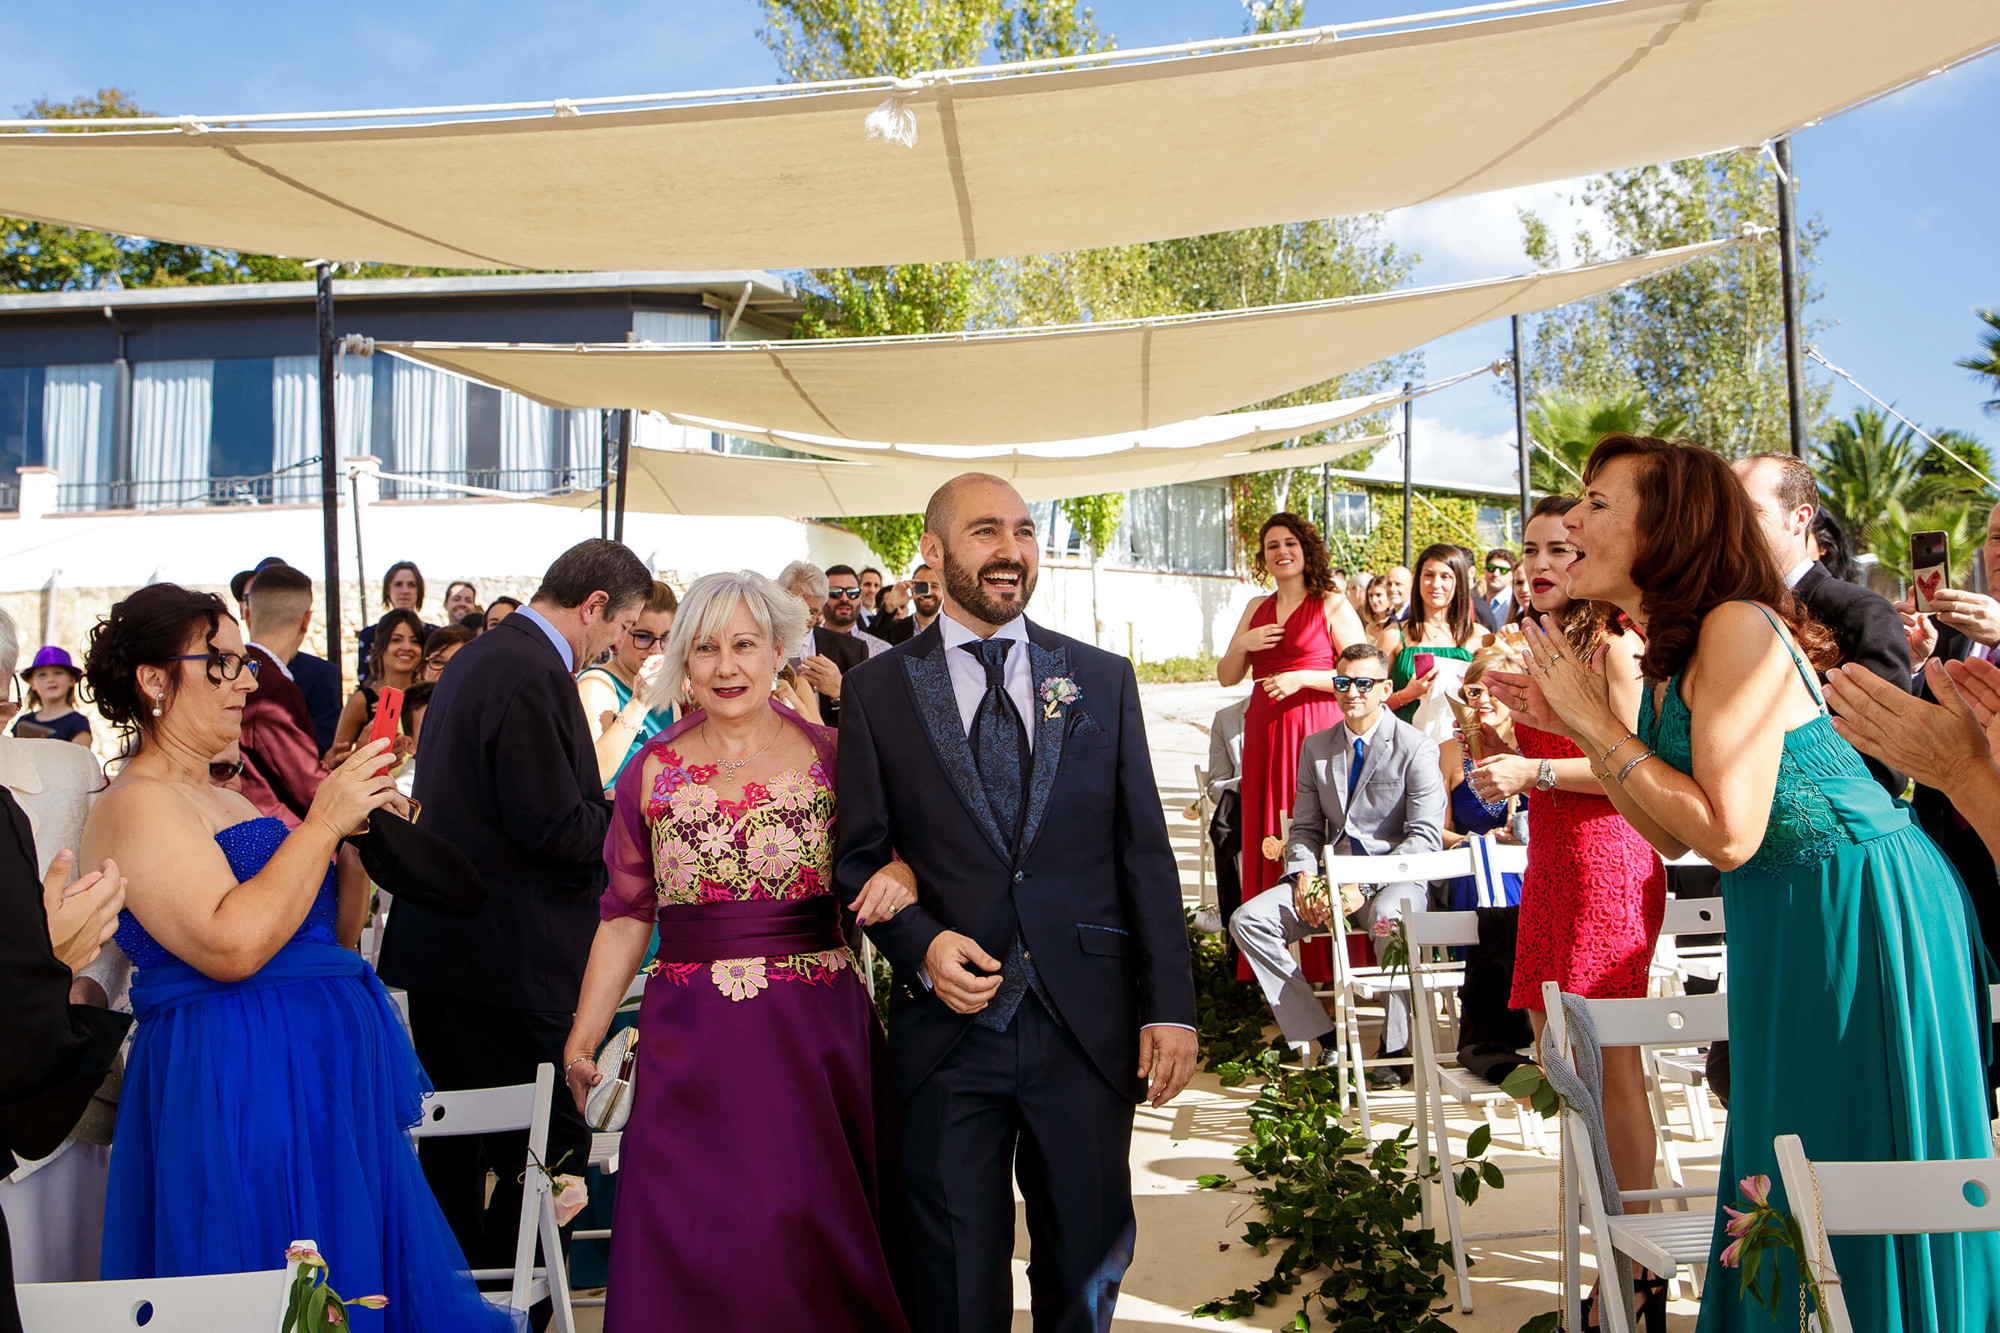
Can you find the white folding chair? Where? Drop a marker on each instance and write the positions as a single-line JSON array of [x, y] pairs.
[[501, 1111], [1439, 1076], [1687, 1068], [1356, 988], [605, 1151], [224, 1303], [1662, 1241]]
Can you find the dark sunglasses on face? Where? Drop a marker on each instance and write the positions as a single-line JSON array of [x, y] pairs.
[[221, 772], [641, 639], [1342, 684], [1499, 569], [852, 594]]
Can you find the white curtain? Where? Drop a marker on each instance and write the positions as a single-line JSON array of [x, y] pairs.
[[674, 326], [295, 420], [172, 408], [530, 442], [584, 444], [429, 420], [78, 403]]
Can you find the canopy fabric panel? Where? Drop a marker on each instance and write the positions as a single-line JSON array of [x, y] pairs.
[[1324, 123], [1024, 384], [670, 481]]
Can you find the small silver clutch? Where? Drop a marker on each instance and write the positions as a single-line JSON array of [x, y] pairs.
[[609, 1104]]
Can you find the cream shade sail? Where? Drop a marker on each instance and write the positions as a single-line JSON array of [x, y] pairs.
[[1011, 385], [1129, 147], [672, 481]]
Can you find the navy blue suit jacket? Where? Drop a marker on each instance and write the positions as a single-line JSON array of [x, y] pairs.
[[319, 681], [1093, 890]]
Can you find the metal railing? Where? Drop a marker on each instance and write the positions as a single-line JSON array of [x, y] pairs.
[[184, 493], [525, 481], [10, 498]]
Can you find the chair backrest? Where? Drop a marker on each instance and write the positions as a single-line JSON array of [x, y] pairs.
[[480, 1111], [1890, 1198], [1693, 916], [224, 1303], [1663, 1020], [1425, 930], [1394, 869]]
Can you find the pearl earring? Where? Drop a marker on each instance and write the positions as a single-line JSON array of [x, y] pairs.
[[158, 700]]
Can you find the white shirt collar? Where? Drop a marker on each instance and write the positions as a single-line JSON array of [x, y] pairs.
[[273, 656], [1367, 735], [1798, 572], [956, 633]]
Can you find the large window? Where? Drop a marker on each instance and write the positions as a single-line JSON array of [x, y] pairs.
[[1182, 528]]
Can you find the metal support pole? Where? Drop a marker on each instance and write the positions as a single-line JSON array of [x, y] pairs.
[[604, 473], [1407, 483], [624, 459], [1521, 440], [1326, 500], [1788, 272], [360, 564], [329, 465]]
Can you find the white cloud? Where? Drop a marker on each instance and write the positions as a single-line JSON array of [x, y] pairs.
[[1446, 453], [1479, 235]]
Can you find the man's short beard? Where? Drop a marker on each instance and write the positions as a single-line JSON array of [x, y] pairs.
[[966, 589]]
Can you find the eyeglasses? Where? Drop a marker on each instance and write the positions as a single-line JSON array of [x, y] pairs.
[[1492, 568], [221, 772], [641, 639], [1363, 684], [852, 594], [228, 665]]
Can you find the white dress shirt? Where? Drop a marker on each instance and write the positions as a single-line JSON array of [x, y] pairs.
[[968, 673], [1798, 572]]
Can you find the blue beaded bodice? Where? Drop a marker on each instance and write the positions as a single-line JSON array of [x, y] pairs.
[[1826, 799], [248, 845]]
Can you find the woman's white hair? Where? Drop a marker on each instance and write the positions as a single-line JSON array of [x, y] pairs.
[[705, 612], [806, 579]]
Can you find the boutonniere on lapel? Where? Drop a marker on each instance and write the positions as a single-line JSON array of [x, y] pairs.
[[1058, 692]]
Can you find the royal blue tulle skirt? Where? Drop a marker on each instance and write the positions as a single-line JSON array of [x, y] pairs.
[[274, 1109]]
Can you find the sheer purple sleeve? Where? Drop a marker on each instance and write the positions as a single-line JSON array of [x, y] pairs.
[[628, 848]]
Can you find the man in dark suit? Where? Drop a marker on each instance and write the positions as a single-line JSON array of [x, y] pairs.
[[1865, 625], [281, 757], [509, 776], [1042, 976], [921, 595], [828, 656], [318, 679]]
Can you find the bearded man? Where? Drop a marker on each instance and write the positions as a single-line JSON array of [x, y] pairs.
[[1041, 984]]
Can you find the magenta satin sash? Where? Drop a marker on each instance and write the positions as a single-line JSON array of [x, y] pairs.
[[704, 932]]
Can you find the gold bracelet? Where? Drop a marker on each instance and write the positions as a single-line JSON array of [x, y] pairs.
[[1605, 758], [1601, 774], [1634, 764]]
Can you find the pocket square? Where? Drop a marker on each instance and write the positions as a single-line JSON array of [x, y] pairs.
[[1082, 724]]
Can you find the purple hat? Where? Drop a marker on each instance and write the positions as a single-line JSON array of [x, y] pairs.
[[52, 657]]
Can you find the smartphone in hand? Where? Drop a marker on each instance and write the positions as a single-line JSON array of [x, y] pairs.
[[1930, 566], [1421, 665], [388, 716]]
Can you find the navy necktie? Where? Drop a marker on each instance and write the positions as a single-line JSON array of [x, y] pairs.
[[999, 740], [1354, 769]]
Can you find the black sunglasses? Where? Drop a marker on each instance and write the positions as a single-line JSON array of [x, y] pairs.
[[1342, 684], [849, 593]]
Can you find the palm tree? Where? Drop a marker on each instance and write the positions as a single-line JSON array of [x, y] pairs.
[[1869, 460], [1988, 364], [1962, 520], [1565, 427]]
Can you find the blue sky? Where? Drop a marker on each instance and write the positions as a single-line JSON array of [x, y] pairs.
[[1907, 188]]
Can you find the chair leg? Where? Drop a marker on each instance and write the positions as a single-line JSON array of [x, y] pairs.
[[558, 1270], [1359, 1070], [1454, 1227], [1572, 1292]]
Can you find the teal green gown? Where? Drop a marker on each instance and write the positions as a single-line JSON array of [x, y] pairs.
[[1858, 1020]]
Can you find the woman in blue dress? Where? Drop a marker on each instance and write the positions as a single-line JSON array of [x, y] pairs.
[[270, 1083], [1485, 732], [1858, 1014]]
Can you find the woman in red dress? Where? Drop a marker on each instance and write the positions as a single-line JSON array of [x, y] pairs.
[[1594, 892], [1287, 642]]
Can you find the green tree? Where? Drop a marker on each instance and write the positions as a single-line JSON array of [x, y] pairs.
[[1566, 426], [1987, 362], [42, 257], [1703, 344], [1962, 520], [1869, 463]]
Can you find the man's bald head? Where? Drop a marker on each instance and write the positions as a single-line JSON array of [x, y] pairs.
[[938, 514], [979, 534]]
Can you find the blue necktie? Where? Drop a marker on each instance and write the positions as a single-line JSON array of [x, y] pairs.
[[1353, 783]]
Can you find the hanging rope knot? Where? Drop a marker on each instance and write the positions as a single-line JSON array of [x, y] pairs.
[[893, 122], [1753, 231], [357, 344]]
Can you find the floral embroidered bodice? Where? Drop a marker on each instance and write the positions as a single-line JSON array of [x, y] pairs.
[[774, 845], [1826, 798]]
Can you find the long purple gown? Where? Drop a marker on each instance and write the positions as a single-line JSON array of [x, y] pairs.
[[748, 1194]]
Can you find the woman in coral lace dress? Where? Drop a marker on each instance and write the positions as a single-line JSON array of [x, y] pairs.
[[1288, 642], [749, 1195]]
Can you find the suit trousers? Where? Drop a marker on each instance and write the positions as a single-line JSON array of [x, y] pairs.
[[1025, 1104], [1268, 926], [463, 1045], [1225, 834]]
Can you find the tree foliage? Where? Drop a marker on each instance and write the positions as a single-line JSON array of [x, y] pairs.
[[1566, 426], [824, 39], [1986, 363], [42, 257], [1703, 344]]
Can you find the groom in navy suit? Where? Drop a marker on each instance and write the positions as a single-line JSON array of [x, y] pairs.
[[1042, 982]]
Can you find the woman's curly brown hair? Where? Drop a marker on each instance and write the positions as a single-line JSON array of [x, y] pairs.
[[150, 628], [1699, 545], [1319, 569]]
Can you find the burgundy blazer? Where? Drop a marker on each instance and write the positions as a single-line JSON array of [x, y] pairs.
[[281, 761]]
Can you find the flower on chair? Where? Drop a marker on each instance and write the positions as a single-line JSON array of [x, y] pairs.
[[1057, 693], [738, 978]]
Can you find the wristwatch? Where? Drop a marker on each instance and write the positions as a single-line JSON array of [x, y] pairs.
[[1545, 778]]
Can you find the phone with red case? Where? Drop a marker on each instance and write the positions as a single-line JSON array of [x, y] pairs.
[[388, 714], [1930, 567]]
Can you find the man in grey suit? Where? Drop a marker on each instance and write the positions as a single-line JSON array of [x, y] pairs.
[[1371, 785]]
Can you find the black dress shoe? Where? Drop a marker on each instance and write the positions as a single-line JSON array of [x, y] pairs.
[[1390, 1076]]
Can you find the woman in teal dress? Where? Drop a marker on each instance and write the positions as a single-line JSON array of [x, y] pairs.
[[614, 692], [1858, 1009]]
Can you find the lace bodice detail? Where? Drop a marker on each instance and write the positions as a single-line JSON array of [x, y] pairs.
[[1806, 824], [248, 846]]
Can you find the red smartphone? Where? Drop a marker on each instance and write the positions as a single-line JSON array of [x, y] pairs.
[[1421, 665], [388, 715]]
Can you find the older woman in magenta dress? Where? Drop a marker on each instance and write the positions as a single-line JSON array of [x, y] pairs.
[[1287, 642], [749, 1192]]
